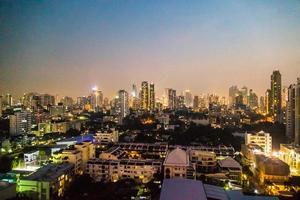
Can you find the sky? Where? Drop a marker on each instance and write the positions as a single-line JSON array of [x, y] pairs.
[[67, 47]]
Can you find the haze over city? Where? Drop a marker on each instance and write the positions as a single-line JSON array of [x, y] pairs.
[[65, 48]]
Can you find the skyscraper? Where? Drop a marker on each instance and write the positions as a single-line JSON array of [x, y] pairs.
[[297, 112], [290, 113], [145, 96], [170, 96], [252, 100], [188, 98], [268, 101], [9, 99], [276, 95], [123, 103], [233, 92], [152, 97], [96, 99]]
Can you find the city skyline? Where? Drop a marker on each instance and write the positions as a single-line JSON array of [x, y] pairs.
[[206, 46]]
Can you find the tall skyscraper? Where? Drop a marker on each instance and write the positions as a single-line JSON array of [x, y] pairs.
[[284, 97], [244, 92], [252, 100], [9, 99], [145, 96], [276, 95], [188, 98], [297, 112], [96, 99], [290, 113], [47, 100], [134, 92], [170, 97], [123, 103], [152, 97], [268, 101], [233, 92]]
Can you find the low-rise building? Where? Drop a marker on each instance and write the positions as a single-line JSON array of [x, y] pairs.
[[231, 167], [177, 165], [271, 169], [291, 156], [106, 137], [48, 182], [114, 170], [204, 161], [262, 139]]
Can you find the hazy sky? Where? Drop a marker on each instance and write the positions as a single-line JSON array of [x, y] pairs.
[[65, 47]]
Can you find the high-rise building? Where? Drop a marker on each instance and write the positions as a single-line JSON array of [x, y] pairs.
[[134, 92], [290, 114], [297, 112], [9, 99], [268, 101], [96, 99], [244, 92], [152, 97], [145, 96], [123, 103], [170, 97], [284, 97], [233, 92], [276, 95], [252, 100], [188, 98], [262, 102], [196, 103], [20, 123], [262, 139], [47, 100], [67, 101]]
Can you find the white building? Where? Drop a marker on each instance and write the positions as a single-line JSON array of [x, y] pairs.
[[177, 165], [31, 158], [262, 139], [106, 137]]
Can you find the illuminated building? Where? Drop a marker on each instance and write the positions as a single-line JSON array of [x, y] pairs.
[[134, 98], [271, 169], [262, 107], [123, 103], [170, 98], [290, 155], [177, 165], [9, 100], [96, 99], [204, 161], [244, 92], [114, 170], [30, 158], [196, 103], [58, 110], [47, 100], [72, 156], [262, 139], [152, 97], [276, 95], [145, 96], [106, 137], [297, 112], [180, 102], [268, 104], [188, 98], [230, 167], [87, 150], [284, 97], [233, 92], [48, 182], [252, 100], [67, 101], [20, 123], [290, 114]]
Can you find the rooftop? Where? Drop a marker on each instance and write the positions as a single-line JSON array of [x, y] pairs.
[[177, 157]]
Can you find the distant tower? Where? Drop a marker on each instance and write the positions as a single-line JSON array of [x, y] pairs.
[[145, 96], [233, 92], [96, 99], [196, 102], [9, 100], [152, 97], [188, 98], [268, 101], [276, 95], [290, 113]]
